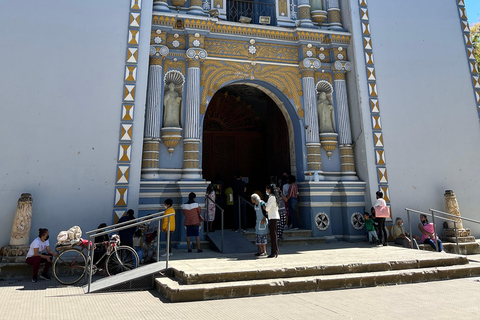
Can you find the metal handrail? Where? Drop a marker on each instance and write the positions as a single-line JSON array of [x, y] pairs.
[[456, 217], [434, 228], [240, 198], [222, 211], [127, 225]]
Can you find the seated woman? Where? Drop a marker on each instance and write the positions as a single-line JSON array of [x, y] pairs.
[[427, 230], [401, 236], [40, 252]]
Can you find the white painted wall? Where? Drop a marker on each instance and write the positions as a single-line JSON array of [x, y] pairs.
[[429, 118], [61, 88]]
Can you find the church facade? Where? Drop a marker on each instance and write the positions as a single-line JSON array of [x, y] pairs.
[[323, 90]]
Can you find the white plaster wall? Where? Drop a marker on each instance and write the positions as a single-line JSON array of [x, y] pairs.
[[61, 88], [429, 118]]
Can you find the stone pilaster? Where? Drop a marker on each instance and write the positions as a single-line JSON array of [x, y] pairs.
[[191, 141], [153, 118], [304, 14], [333, 9]]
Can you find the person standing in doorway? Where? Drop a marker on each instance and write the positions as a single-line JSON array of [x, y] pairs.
[[381, 213], [292, 201], [210, 198], [273, 217], [261, 230], [239, 188], [193, 220]]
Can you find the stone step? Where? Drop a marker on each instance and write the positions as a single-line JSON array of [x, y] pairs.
[[250, 234], [312, 269], [174, 291], [296, 241]]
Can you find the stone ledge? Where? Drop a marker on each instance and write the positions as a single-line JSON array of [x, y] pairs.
[[176, 292]]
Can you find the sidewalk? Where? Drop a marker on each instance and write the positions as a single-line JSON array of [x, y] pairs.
[[452, 299], [433, 300]]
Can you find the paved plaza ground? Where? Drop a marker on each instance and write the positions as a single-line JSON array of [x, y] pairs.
[[22, 299]]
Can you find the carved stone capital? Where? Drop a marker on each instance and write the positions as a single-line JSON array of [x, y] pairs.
[[158, 51], [344, 66], [196, 54], [310, 64]]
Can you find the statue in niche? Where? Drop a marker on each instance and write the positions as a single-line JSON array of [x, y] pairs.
[[325, 114], [172, 105]]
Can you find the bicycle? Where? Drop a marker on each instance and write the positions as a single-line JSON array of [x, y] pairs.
[[71, 264]]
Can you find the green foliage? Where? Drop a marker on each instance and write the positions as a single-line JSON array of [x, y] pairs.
[[475, 35]]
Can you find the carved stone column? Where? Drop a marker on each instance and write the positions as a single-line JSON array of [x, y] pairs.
[[153, 119], [451, 206], [196, 8], [191, 141], [19, 240], [304, 14], [344, 130], [312, 140], [333, 10], [161, 6]]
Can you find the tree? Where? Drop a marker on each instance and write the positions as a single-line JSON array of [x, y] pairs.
[[475, 35]]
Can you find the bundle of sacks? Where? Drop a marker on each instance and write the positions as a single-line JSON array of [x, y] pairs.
[[70, 237]]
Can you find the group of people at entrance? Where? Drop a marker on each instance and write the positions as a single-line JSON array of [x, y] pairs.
[[377, 232]]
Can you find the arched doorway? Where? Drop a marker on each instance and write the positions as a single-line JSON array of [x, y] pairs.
[[244, 130]]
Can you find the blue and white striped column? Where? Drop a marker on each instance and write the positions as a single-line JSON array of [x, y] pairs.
[[191, 141], [312, 138], [344, 130]]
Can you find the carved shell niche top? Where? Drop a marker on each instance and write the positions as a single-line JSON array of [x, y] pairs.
[[324, 86], [175, 77]]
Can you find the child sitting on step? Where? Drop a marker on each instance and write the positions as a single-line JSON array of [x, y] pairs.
[[370, 226]]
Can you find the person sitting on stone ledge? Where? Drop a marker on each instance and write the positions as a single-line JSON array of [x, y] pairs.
[[401, 236], [427, 230], [40, 252]]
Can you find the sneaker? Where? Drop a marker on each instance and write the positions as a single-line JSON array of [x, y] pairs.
[[258, 254], [34, 279], [293, 228], [199, 250], [189, 250], [263, 254], [45, 276], [165, 254]]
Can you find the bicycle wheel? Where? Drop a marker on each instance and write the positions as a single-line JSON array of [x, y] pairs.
[[70, 266], [122, 259]]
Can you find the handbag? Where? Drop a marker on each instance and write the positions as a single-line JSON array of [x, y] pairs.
[[382, 212]]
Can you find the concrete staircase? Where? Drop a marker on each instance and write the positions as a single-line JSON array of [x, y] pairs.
[[289, 273]]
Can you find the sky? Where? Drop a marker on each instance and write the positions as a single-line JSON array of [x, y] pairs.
[[473, 10]]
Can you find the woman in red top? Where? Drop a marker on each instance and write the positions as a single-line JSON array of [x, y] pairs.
[[193, 220]]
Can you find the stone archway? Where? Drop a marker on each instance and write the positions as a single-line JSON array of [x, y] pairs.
[[245, 130]]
